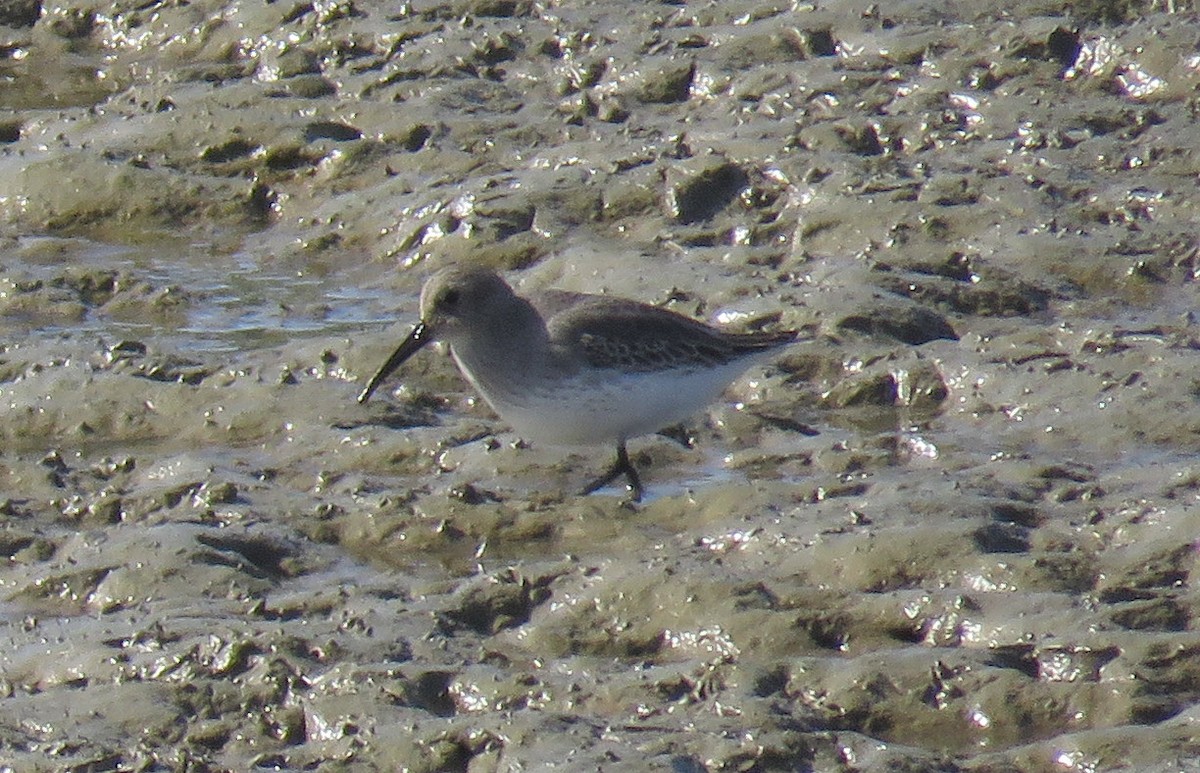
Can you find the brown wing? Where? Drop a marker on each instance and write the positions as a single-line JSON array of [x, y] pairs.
[[618, 333]]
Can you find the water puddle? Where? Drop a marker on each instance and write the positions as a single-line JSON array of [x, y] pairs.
[[192, 296]]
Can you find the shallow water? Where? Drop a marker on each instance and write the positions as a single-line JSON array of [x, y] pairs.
[[228, 302]]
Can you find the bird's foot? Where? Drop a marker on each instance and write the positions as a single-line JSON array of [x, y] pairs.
[[620, 466]]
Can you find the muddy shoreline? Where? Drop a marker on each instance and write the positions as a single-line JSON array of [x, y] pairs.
[[954, 530]]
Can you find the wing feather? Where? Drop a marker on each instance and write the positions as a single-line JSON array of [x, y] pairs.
[[636, 337]]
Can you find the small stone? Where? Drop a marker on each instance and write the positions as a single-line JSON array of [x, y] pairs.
[[697, 191], [20, 13], [668, 85], [907, 323]]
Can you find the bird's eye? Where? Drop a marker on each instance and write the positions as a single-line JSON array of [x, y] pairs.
[[448, 299]]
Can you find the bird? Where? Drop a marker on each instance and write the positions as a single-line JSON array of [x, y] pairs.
[[568, 368]]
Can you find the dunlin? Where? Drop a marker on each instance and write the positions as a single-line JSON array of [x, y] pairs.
[[574, 369]]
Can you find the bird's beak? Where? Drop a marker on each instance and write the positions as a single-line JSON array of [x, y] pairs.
[[407, 348]]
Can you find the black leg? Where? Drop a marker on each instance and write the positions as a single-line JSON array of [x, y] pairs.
[[631, 473], [622, 466]]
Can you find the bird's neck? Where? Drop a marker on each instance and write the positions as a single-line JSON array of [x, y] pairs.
[[517, 340]]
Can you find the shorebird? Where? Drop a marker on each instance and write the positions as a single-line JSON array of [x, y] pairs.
[[570, 368]]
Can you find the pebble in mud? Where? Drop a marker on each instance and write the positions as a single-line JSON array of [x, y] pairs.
[[894, 550]]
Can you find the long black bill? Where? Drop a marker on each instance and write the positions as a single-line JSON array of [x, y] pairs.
[[410, 346]]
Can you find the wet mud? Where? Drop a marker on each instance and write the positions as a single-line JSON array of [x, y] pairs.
[[952, 530]]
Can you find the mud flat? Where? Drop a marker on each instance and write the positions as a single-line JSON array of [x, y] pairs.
[[955, 530]]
